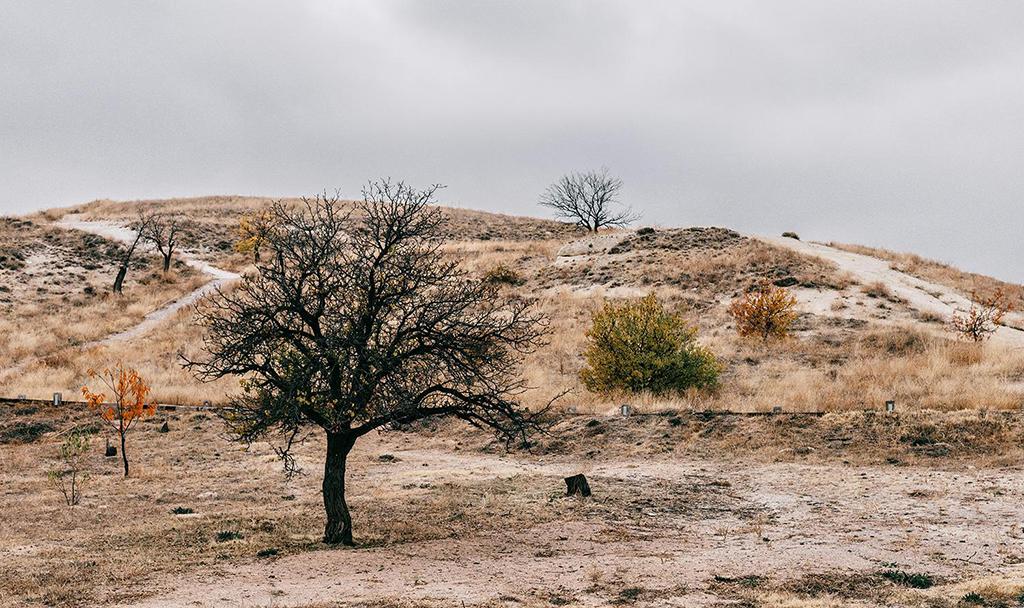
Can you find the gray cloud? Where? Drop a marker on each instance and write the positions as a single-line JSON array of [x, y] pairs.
[[893, 124]]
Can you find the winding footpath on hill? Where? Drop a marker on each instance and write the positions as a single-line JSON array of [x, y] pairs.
[[123, 234], [919, 294]]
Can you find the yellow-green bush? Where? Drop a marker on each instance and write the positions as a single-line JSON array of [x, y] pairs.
[[638, 346]]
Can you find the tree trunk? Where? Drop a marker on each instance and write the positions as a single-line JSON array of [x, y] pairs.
[[167, 262], [119, 281], [124, 456], [339, 522]]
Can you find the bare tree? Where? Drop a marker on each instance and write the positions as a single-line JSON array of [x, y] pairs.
[[141, 228], [356, 321], [589, 199], [165, 231]]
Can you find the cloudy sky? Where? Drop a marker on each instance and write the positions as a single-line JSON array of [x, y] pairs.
[[898, 124]]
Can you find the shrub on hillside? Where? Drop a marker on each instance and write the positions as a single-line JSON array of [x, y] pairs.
[[983, 318], [766, 312], [638, 346], [503, 275]]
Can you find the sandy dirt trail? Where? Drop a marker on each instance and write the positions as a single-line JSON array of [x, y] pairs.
[[919, 294], [123, 234], [678, 524]]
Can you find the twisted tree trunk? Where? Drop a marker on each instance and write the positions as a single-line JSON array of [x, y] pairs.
[[339, 522], [119, 281]]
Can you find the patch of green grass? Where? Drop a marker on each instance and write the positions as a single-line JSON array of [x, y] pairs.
[[916, 580], [225, 535]]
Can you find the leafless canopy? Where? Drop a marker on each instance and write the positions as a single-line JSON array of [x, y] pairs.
[[589, 199], [141, 227], [356, 321], [165, 231]]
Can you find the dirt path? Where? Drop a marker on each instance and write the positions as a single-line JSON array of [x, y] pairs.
[[664, 530], [919, 294], [116, 232]]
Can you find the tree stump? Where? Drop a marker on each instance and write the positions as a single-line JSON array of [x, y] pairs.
[[111, 451], [577, 484], [164, 428]]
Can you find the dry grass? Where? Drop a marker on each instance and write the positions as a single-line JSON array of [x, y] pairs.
[[830, 365], [820, 369], [944, 274], [837, 589], [58, 297], [156, 356], [218, 219], [704, 264], [124, 542], [124, 534]]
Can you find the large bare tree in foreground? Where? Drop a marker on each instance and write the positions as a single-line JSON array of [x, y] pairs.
[[355, 321], [589, 199]]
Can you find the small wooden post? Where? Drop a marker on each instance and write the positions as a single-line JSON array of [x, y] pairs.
[[890, 407], [626, 410], [57, 399]]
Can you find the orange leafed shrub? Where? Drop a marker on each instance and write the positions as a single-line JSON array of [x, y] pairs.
[[983, 318], [128, 402], [766, 312]]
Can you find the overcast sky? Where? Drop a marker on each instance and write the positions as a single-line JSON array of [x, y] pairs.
[[892, 123]]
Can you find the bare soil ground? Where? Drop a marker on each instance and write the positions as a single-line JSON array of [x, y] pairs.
[[685, 513], [658, 532]]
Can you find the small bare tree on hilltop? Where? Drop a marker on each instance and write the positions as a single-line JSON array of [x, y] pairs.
[[165, 232], [355, 322], [589, 199]]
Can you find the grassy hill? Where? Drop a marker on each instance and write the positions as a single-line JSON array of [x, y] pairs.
[[856, 345]]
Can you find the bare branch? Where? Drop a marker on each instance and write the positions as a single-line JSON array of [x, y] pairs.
[[354, 320], [590, 199]]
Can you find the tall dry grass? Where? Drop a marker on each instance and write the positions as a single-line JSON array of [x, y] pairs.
[[52, 326], [811, 371], [823, 367]]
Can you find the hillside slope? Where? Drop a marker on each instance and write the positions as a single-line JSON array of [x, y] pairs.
[[690, 507], [867, 332]]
